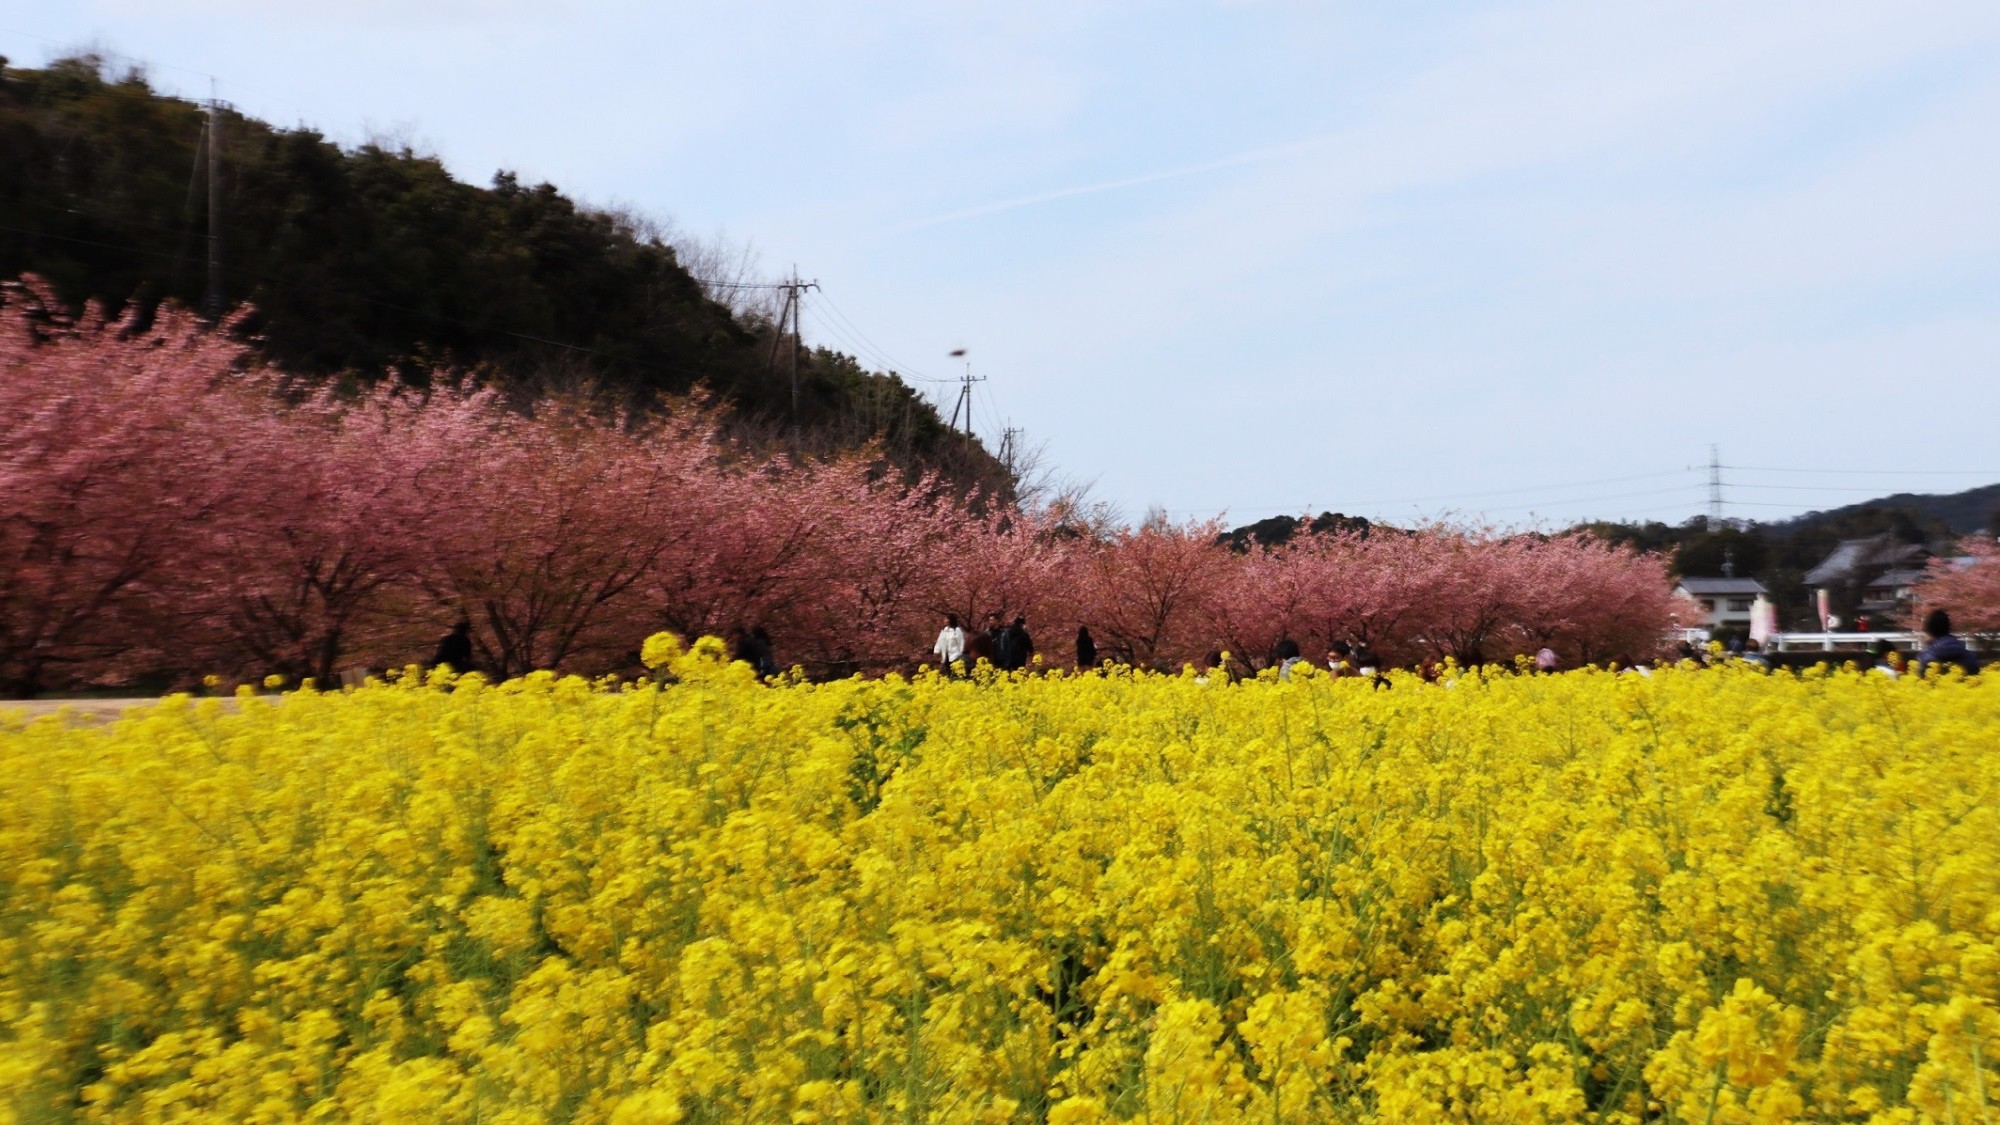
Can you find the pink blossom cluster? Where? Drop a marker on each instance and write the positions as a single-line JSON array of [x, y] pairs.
[[167, 510], [1969, 591]]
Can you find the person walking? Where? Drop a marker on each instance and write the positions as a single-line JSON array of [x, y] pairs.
[[1545, 660], [1941, 647], [950, 646], [1086, 649], [454, 649], [764, 658], [984, 644], [1015, 647]]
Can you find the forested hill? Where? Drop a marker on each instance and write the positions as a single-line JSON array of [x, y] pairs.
[[1960, 513], [374, 262]]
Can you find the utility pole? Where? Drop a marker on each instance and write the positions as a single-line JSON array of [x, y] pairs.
[[965, 383], [794, 292], [1009, 446], [1714, 488], [212, 301]]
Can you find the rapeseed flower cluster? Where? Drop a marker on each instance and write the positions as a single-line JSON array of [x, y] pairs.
[[1702, 896]]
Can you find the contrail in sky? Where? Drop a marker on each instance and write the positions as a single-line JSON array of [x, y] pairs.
[[1253, 156]]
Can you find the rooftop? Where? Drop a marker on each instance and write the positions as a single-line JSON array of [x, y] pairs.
[[1696, 584], [1901, 576], [1853, 558]]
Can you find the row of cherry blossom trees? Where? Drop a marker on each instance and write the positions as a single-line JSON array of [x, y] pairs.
[[165, 512]]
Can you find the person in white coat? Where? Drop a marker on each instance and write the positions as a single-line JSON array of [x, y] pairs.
[[950, 646]]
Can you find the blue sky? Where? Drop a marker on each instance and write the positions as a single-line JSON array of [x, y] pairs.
[[1519, 261]]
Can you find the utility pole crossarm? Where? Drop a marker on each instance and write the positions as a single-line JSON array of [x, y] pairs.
[[795, 290], [965, 383]]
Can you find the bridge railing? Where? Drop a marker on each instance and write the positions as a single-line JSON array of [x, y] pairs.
[[1840, 642]]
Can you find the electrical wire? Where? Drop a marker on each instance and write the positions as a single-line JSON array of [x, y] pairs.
[[1873, 472], [1770, 504], [1803, 487], [740, 284], [901, 368], [857, 350], [860, 351], [1476, 495], [1680, 489]]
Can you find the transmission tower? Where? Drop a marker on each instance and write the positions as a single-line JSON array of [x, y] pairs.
[[1714, 487]]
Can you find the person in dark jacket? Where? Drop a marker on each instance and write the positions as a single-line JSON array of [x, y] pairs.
[[1015, 647], [764, 657], [753, 647], [454, 650], [1369, 666], [1086, 649], [984, 644], [1940, 647]]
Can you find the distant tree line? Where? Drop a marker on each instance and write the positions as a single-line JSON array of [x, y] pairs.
[[1778, 553]]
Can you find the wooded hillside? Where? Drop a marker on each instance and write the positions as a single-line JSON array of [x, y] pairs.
[[375, 262]]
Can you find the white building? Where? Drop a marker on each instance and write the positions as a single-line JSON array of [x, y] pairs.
[[1726, 601]]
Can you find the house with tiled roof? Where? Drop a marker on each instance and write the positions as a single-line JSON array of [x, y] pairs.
[[1870, 577]]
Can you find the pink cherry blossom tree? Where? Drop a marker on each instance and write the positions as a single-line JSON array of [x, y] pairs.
[[333, 527], [1147, 593], [110, 469], [1970, 593]]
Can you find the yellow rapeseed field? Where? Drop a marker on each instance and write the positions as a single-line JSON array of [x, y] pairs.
[[1700, 896]]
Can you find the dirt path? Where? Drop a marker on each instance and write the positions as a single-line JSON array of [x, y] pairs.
[[82, 712]]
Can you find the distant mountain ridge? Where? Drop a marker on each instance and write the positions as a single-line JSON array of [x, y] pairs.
[[1974, 509]]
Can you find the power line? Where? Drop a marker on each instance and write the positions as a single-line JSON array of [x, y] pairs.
[[1681, 489], [880, 352], [1530, 488], [740, 284], [1772, 504], [1806, 488], [1473, 495], [1874, 472], [861, 351]]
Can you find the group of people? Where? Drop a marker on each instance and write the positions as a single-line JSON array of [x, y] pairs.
[[1008, 647]]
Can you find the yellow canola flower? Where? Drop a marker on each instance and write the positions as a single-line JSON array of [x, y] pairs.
[[1720, 896]]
